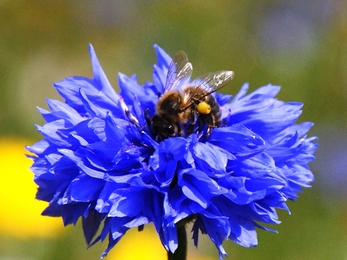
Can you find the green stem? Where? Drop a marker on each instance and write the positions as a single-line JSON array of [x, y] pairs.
[[181, 251]]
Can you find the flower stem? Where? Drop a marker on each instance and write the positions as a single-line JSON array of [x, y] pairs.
[[181, 251]]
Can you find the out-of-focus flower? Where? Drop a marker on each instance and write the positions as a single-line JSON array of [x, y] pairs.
[[19, 213], [298, 26], [333, 185], [100, 161], [139, 245]]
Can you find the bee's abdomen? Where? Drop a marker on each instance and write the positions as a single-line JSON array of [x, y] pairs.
[[217, 116], [214, 118]]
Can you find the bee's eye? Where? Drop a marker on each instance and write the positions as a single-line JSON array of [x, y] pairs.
[[170, 129]]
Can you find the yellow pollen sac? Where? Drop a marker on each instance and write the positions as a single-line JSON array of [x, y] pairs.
[[203, 108]]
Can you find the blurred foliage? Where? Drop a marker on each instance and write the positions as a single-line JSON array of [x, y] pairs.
[[299, 45]]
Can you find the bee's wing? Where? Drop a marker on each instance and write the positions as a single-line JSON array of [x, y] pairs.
[[210, 82], [179, 71]]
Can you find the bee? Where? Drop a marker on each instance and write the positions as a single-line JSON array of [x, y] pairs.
[[183, 105]]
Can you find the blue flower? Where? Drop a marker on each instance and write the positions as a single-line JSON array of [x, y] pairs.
[[99, 161]]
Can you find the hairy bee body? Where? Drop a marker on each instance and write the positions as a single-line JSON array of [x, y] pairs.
[[170, 107], [172, 112], [211, 117], [181, 110], [168, 114]]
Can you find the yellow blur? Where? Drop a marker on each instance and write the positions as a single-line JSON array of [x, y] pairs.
[[146, 245], [20, 212], [134, 245]]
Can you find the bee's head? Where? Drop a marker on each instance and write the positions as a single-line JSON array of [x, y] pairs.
[[162, 127]]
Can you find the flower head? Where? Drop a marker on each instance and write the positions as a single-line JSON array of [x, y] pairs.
[[101, 161]]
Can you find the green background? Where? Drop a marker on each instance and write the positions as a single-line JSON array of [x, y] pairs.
[[299, 45]]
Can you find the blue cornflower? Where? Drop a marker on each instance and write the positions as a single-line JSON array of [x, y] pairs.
[[101, 161]]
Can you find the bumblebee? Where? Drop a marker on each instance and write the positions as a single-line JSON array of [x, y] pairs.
[[184, 108]]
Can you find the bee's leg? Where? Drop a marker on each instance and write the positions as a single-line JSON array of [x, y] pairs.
[[191, 120], [190, 130], [209, 131], [149, 122], [201, 123]]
